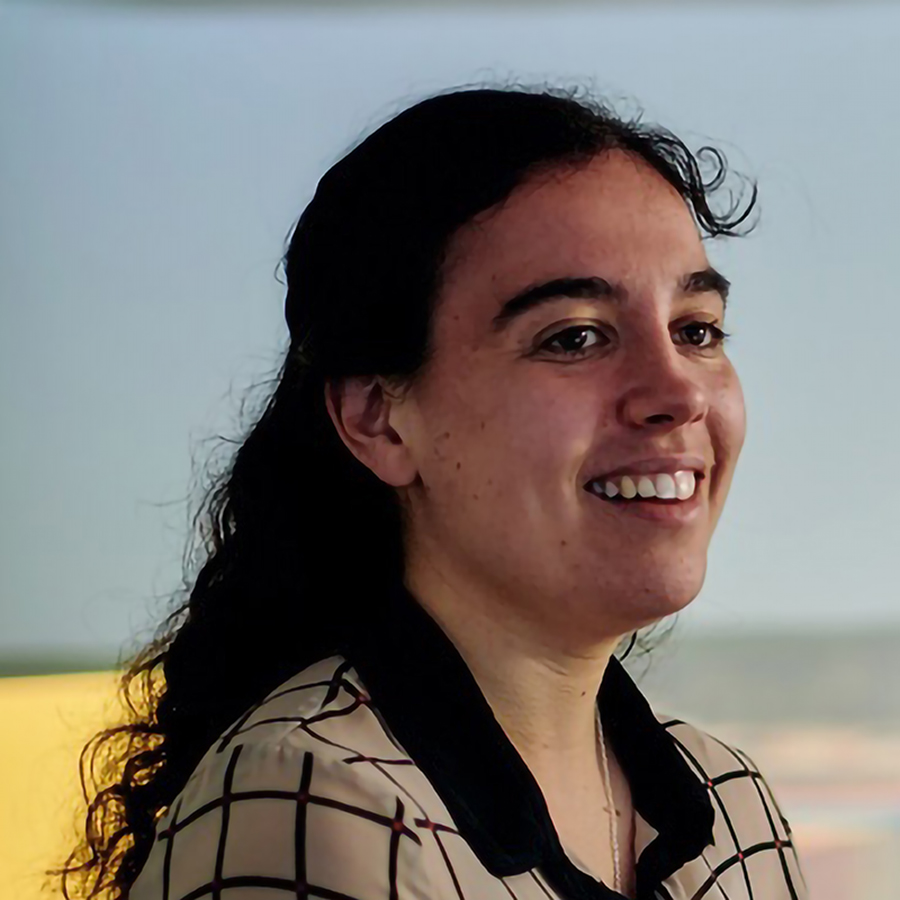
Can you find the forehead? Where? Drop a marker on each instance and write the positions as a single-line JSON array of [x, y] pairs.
[[614, 217]]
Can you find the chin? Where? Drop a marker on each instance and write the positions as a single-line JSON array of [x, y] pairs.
[[671, 598], [649, 599]]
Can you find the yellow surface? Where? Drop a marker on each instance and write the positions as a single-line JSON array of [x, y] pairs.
[[45, 721]]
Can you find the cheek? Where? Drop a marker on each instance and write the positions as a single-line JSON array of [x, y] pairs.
[[728, 424], [736, 413], [492, 438], [543, 423]]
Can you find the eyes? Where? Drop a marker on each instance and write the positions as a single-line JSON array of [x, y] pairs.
[[572, 337]]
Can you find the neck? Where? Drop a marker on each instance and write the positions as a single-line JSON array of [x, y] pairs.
[[541, 685]]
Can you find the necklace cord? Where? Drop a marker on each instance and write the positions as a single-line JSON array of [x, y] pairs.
[[607, 788]]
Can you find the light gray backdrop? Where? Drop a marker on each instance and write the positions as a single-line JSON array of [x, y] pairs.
[[153, 160]]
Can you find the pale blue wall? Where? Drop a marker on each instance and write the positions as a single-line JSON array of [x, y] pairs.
[[151, 164]]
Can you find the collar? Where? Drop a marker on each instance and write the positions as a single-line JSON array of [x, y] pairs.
[[431, 702]]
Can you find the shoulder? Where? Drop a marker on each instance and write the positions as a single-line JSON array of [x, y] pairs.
[[727, 770], [708, 755], [306, 786], [751, 835], [318, 727], [320, 718]]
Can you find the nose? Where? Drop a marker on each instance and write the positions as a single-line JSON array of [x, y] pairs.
[[664, 386]]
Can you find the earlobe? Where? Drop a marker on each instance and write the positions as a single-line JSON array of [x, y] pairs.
[[365, 416]]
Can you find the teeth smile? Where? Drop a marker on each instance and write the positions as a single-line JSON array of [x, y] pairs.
[[681, 486]]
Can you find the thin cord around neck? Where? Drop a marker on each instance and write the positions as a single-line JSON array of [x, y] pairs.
[[607, 787]]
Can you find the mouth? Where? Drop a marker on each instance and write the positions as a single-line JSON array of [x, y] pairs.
[[698, 478], [657, 509]]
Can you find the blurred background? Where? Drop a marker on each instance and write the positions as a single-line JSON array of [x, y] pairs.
[[154, 156]]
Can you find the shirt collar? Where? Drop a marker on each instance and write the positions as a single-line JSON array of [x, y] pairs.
[[431, 702]]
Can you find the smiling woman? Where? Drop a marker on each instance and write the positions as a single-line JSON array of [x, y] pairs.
[[500, 443]]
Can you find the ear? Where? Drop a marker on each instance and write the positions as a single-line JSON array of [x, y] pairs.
[[370, 422]]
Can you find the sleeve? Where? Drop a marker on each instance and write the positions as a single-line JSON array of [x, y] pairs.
[[272, 821]]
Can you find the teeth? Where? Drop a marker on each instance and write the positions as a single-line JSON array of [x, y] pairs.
[[681, 486], [665, 486], [645, 487], [684, 484]]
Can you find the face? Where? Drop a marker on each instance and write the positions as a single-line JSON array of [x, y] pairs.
[[510, 421]]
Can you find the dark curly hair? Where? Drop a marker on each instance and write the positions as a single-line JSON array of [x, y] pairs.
[[362, 268]]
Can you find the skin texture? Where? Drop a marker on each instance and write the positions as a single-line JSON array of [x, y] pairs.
[[535, 580]]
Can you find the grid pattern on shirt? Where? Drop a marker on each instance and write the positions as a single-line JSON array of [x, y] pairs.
[[740, 847], [300, 799]]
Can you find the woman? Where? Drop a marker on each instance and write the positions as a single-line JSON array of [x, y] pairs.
[[500, 443]]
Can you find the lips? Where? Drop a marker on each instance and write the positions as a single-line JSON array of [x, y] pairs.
[[654, 465]]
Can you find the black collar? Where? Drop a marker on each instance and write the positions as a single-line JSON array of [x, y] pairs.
[[432, 704]]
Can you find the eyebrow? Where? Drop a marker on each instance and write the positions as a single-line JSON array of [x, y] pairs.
[[596, 288]]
